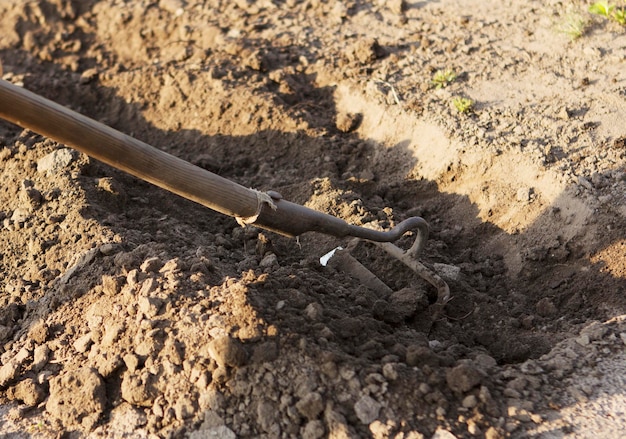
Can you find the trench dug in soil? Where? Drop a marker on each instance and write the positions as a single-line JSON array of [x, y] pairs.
[[125, 309]]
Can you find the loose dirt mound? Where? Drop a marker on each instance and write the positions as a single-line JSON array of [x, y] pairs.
[[128, 311]]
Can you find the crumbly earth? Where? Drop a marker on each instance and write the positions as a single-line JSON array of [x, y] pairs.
[[126, 311]]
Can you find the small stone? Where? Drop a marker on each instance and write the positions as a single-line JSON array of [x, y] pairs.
[[314, 311], [367, 409], [492, 433], [523, 195], [55, 162], [83, 343], [583, 340], [440, 433], [109, 248], [149, 306], [227, 352], [310, 406], [396, 6], [175, 7], [485, 362], [470, 401], [564, 113], [463, 378], [131, 361], [473, 428], [151, 265], [390, 371], [269, 260], [40, 357], [20, 215]]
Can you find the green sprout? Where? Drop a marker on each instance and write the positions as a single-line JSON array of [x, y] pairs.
[[463, 105], [573, 25], [443, 78], [609, 11], [619, 15], [602, 8]]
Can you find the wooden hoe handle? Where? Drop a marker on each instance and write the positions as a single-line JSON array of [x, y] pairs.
[[248, 206]]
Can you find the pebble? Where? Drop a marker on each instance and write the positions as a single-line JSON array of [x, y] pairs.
[[40, 357], [367, 409], [390, 371], [440, 433], [470, 401], [83, 343], [55, 162], [463, 378], [269, 260], [149, 306], [151, 265], [314, 311]]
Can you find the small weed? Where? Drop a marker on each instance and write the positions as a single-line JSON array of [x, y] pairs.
[[619, 15], [443, 78], [573, 25], [463, 105], [609, 11], [602, 8]]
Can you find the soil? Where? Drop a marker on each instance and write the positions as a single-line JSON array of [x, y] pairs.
[[127, 311]]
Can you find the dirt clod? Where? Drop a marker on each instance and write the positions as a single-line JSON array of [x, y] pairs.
[[77, 398]]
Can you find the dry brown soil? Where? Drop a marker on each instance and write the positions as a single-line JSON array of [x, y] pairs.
[[126, 311]]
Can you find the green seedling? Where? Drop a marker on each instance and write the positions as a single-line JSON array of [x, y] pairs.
[[619, 15], [602, 8], [443, 78], [463, 105], [573, 25], [609, 11]]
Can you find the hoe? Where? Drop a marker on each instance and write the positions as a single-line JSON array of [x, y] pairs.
[[266, 210]]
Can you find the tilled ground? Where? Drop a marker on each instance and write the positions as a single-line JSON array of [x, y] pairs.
[[126, 311]]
